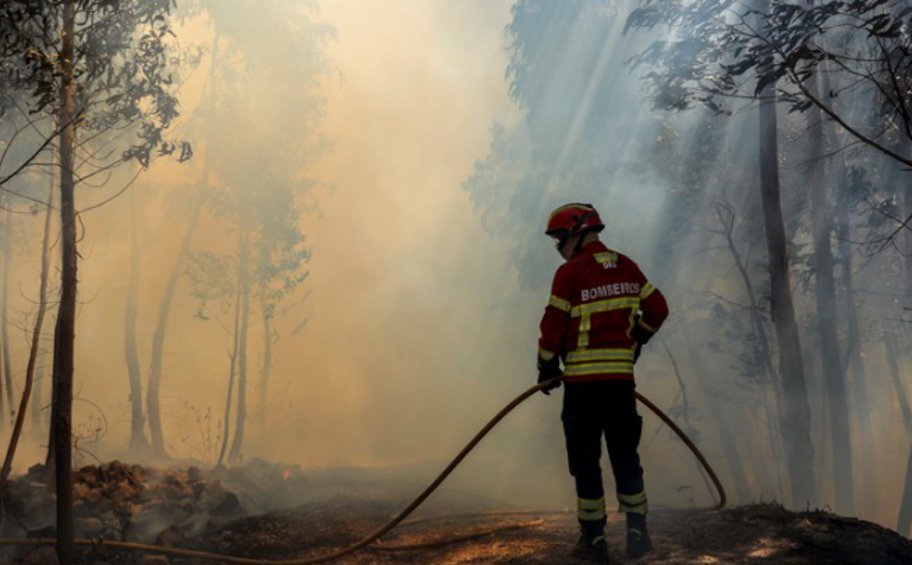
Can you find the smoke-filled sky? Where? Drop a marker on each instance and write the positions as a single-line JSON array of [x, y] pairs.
[[416, 330]]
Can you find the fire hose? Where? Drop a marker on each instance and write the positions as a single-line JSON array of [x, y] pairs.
[[381, 531]]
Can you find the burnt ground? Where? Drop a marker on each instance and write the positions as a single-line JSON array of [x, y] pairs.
[[748, 534], [272, 511]]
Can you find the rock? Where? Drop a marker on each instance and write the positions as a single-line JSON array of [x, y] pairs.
[[172, 536], [49, 531], [94, 496], [43, 556], [37, 472], [219, 501], [152, 519], [80, 490], [89, 527]]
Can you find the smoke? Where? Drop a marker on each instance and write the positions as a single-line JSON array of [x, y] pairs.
[[421, 187]]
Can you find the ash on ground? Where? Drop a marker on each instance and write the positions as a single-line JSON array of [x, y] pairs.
[[272, 511]]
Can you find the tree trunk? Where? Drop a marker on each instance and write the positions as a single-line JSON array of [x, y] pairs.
[[38, 429], [727, 218], [904, 523], [719, 418], [4, 318], [37, 406], [138, 443], [796, 424], [266, 368], [244, 281], [907, 235], [825, 293], [34, 347], [232, 371], [899, 388], [66, 317], [158, 338]]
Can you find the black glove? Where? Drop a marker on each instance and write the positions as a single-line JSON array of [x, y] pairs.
[[547, 370], [642, 336]]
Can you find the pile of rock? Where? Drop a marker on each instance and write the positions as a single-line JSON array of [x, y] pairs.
[[126, 502]]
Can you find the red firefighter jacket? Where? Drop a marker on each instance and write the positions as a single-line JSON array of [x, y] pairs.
[[596, 298]]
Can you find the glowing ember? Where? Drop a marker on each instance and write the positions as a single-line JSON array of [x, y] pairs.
[[286, 474]]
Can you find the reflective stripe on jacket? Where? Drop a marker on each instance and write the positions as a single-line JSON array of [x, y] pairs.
[[595, 300]]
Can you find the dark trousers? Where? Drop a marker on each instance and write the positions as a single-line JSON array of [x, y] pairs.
[[592, 411]]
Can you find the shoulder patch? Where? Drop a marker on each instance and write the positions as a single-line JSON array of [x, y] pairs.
[[607, 259]]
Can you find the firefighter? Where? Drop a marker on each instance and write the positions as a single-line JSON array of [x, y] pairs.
[[602, 310]]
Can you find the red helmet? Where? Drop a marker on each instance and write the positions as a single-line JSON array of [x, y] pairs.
[[573, 219]]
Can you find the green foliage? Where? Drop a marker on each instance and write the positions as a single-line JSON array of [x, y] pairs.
[[124, 68], [722, 51], [271, 91]]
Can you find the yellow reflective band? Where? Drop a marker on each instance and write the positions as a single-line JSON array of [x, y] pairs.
[[635, 498], [605, 305], [559, 303], [646, 290], [591, 515], [545, 354], [633, 502], [637, 509], [582, 341], [607, 258], [580, 356], [590, 503], [597, 368], [638, 498], [643, 324]]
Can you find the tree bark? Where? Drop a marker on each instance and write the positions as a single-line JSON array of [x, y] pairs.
[[37, 428], [825, 294], [4, 319], [37, 407], [33, 348], [138, 442], [904, 522], [726, 215], [899, 388], [158, 338], [232, 370], [796, 424], [719, 418], [907, 233], [244, 281], [266, 368], [65, 329]]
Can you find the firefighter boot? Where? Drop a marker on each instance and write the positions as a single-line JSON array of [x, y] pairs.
[[591, 548], [638, 542]]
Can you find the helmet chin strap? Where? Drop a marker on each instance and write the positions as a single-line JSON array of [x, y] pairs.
[[579, 243]]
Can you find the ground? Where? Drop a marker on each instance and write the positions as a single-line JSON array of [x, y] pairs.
[[748, 534], [270, 511]]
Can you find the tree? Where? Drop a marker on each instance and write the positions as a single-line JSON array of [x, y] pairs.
[[102, 66], [787, 46], [261, 205], [138, 442], [34, 347]]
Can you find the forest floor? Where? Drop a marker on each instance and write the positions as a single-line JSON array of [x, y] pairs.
[[267, 518], [748, 534]]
